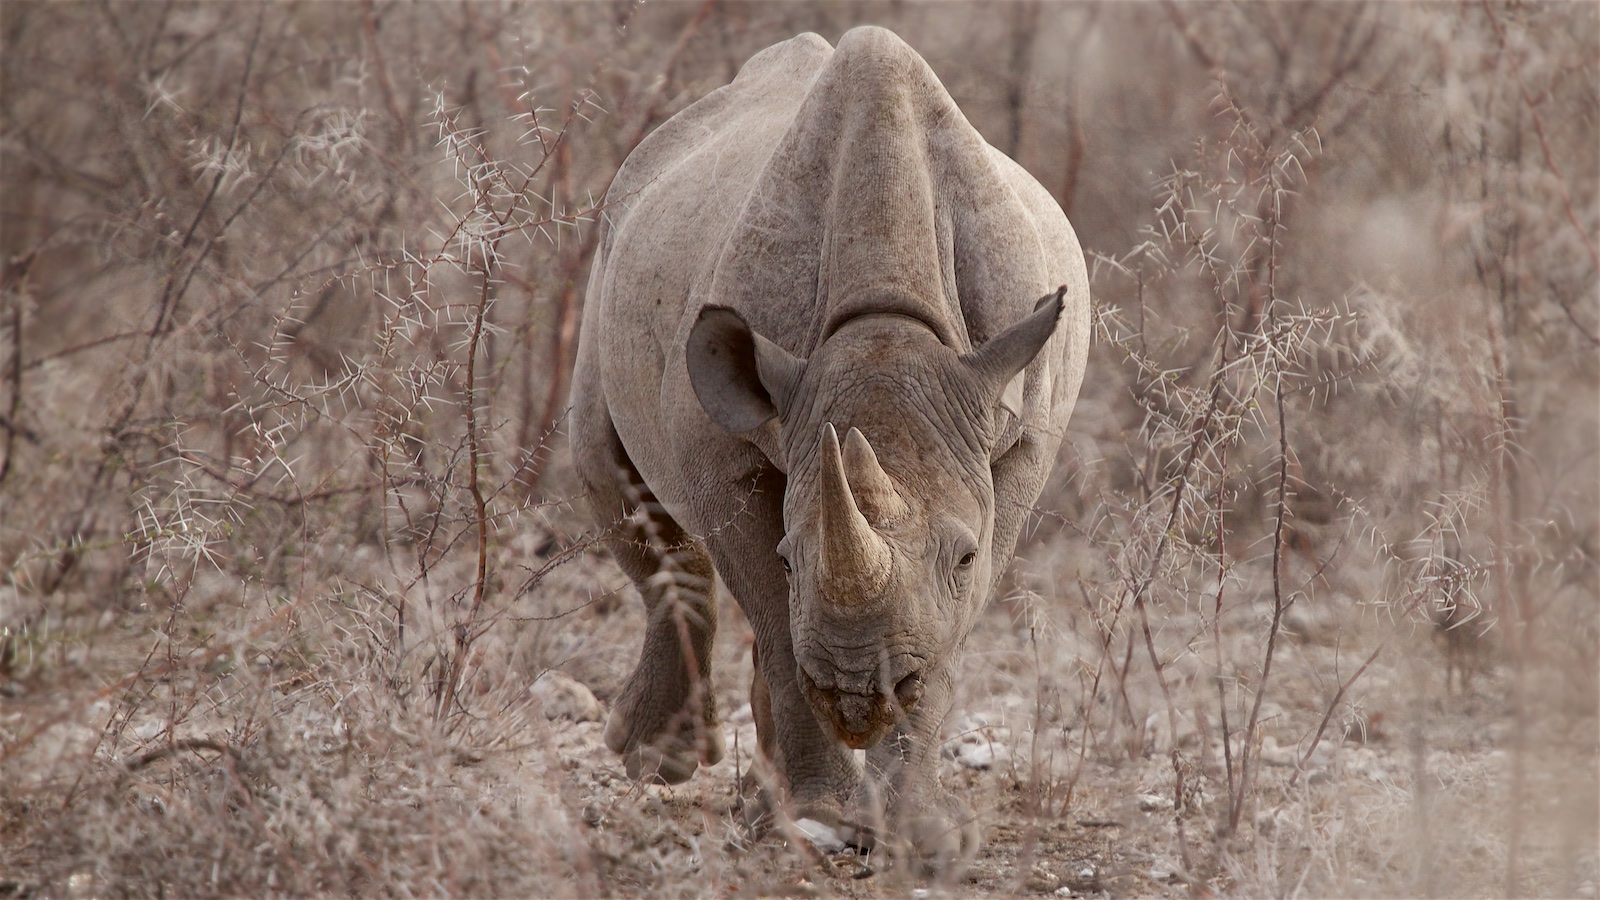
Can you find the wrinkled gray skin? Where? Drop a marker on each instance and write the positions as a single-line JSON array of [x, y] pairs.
[[814, 358]]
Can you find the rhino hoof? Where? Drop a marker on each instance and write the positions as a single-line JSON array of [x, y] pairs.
[[670, 756], [940, 841], [651, 766]]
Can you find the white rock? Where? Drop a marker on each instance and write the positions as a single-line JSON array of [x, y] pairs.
[[1154, 803], [1313, 623], [1159, 738], [982, 755], [823, 837], [80, 886], [562, 697], [970, 722], [1274, 755], [976, 745]]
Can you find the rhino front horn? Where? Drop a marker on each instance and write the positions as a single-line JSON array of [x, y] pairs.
[[856, 560]]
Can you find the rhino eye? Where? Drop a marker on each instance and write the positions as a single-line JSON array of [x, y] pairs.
[[787, 569], [966, 560]]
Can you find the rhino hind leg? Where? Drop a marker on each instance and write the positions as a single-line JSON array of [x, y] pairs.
[[664, 722], [757, 777]]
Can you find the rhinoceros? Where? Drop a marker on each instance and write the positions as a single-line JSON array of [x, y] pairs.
[[814, 362]]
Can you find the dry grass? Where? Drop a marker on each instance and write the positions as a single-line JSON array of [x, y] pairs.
[[296, 599]]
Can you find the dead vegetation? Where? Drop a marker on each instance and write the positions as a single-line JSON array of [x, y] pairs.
[[294, 597]]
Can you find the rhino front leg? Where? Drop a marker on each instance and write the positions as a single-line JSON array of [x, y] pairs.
[[930, 827], [817, 774], [664, 723]]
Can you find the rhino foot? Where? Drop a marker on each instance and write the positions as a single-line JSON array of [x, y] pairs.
[[823, 824], [938, 839], [658, 745]]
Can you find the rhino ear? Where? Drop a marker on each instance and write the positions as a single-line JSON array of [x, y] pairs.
[[998, 362], [742, 379]]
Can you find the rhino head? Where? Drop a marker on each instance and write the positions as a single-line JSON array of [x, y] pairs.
[[886, 435]]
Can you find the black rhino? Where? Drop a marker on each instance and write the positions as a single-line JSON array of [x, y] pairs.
[[814, 361]]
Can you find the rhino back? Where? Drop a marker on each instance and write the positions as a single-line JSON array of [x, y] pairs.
[[882, 193], [820, 185]]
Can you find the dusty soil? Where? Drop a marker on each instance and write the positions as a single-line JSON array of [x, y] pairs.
[[141, 756]]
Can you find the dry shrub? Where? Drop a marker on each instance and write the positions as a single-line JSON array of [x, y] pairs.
[[290, 299]]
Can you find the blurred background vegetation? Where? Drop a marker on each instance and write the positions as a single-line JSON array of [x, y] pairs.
[[290, 295]]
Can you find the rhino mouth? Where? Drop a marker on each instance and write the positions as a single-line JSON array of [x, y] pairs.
[[862, 720]]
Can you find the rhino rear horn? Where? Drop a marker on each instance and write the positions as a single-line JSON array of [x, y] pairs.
[[874, 492], [742, 379], [855, 560], [1009, 352]]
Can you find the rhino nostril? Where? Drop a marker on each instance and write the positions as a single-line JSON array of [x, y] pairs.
[[908, 691]]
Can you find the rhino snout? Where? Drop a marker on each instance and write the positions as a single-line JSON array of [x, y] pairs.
[[862, 720]]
